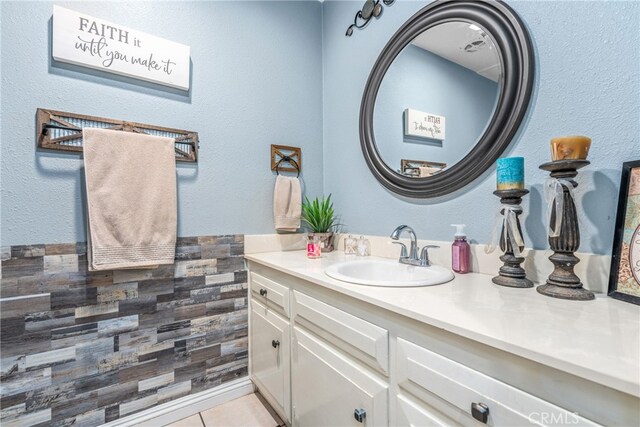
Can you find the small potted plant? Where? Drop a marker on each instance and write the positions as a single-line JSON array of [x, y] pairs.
[[321, 220]]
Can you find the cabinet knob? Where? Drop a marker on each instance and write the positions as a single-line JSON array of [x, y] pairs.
[[480, 412], [275, 343], [263, 292], [360, 415]]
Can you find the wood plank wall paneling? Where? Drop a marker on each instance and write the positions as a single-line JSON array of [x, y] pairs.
[[84, 348]]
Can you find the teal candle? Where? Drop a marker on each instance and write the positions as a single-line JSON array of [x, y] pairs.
[[510, 173]]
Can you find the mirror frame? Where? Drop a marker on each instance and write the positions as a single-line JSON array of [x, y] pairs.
[[517, 59]]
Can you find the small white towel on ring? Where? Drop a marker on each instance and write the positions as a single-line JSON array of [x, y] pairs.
[[131, 199], [287, 203]]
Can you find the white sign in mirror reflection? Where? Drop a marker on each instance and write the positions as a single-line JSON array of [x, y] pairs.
[[418, 124], [451, 71]]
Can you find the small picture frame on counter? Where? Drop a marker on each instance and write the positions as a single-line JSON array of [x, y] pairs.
[[624, 278]]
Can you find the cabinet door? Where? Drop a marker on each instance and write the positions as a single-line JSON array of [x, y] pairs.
[[328, 388], [270, 357]]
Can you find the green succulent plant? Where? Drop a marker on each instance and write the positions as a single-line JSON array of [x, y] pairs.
[[319, 214]]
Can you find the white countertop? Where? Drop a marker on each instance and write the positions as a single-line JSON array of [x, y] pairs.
[[597, 340]]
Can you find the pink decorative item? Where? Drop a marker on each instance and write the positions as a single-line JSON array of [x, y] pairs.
[[313, 247]]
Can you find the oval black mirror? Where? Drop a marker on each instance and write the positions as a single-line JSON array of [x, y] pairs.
[[498, 28]]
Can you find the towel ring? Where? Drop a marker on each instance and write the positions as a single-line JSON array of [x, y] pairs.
[[291, 161]]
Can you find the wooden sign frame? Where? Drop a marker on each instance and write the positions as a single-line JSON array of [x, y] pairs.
[[278, 152]]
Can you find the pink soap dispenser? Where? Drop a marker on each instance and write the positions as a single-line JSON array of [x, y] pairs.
[[460, 251]]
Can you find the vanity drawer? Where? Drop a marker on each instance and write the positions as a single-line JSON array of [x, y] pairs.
[[420, 370], [270, 293], [361, 339], [410, 413]]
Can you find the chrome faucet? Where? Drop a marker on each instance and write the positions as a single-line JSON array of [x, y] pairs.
[[412, 258], [413, 253]]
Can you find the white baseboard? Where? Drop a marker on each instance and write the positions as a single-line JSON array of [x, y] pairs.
[[186, 406]]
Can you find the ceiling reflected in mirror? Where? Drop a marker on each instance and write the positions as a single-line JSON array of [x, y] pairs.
[[465, 44]]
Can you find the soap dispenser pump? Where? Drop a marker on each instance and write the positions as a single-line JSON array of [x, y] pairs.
[[460, 251]]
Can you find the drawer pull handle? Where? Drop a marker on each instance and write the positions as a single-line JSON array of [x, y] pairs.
[[263, 292], [275, 343], [480, 412], [360, 415]]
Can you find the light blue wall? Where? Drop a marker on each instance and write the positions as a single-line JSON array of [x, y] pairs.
[[256, 81], [258, 72], [423, 81], [587, 82]]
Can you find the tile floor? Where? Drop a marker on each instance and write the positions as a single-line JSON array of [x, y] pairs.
[[247, 411]]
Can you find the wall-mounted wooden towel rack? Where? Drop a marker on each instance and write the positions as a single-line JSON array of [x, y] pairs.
[[62, 131], [285, 158]]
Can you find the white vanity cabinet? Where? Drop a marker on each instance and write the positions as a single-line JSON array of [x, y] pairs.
[[270, 338], [344, 362], [337, 361]]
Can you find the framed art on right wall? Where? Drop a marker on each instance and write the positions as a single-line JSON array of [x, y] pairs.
[[624, 278]]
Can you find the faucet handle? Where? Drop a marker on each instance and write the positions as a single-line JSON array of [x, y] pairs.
[[403, 250], [424, 254]]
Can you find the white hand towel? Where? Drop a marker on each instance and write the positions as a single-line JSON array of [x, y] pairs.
[[131, 199], [287, 203]]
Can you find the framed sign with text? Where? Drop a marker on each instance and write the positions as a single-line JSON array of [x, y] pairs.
[[624, 278], [91, 42], [423, 125]]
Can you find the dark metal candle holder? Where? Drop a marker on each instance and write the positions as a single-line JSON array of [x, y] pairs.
[[511, 273], [563, 282]]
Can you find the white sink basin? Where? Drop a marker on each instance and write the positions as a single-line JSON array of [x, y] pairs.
[[388, 273]]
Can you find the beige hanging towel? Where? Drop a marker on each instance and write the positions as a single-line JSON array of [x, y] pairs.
[[287, 203], [131, 199]]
